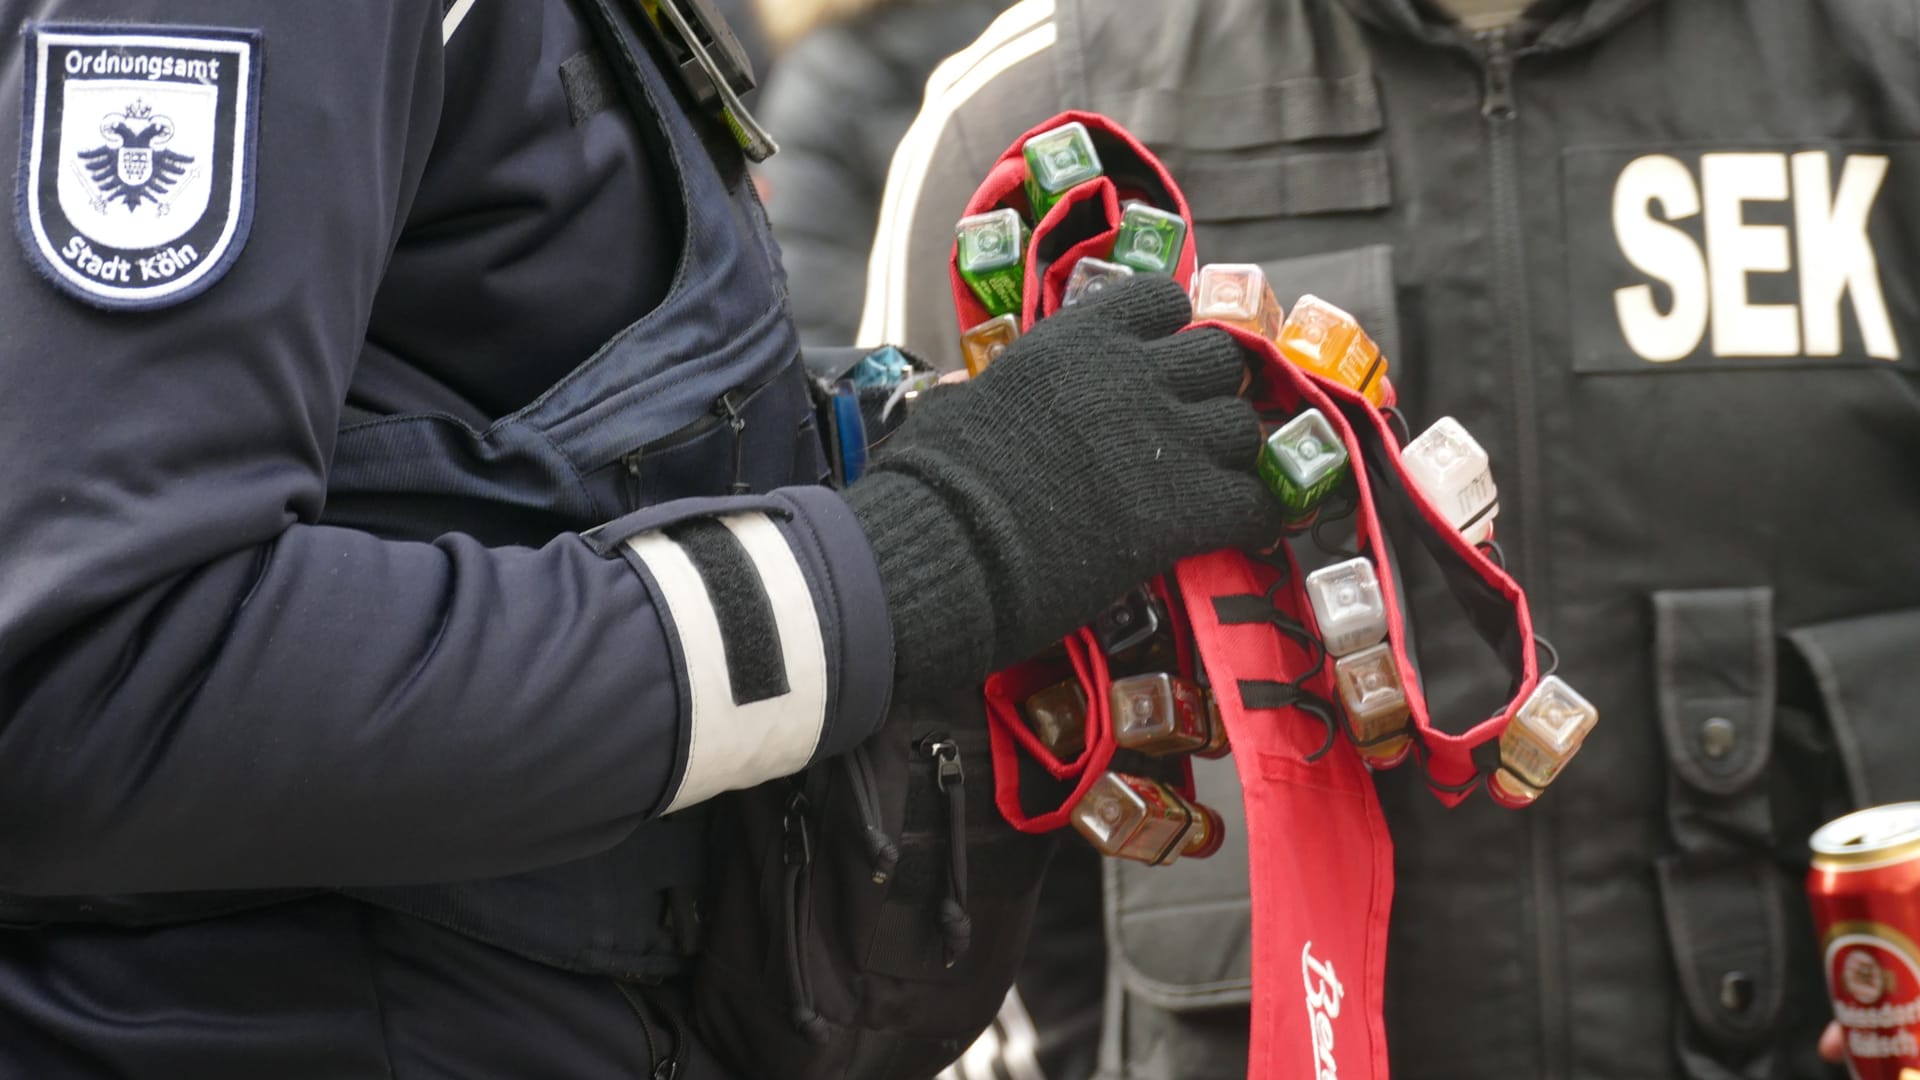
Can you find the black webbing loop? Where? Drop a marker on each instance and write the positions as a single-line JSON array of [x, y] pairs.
[[1398, 421], [1350, 504], [1542, 643], [1264, 694], [1243, 609]]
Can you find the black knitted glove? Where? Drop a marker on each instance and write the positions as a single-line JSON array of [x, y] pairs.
[[1096, 452]]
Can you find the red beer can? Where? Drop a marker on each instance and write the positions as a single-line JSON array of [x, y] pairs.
[[1865, 891]]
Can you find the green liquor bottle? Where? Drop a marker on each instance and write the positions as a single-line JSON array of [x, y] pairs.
[[993, 258], [1302, 463], [1057, 161], [1149, 240]]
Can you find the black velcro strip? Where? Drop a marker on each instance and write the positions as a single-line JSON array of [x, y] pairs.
[[1259, 694], [588, 86], [756, 665], [1243, 610]]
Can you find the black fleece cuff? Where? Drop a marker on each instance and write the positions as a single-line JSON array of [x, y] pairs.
[[937, 593]]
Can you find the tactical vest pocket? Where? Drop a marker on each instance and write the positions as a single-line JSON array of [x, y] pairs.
[[751, 440], [1301, 184]]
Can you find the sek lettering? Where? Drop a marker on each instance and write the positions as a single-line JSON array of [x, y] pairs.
[[1826, 247], [1323, 1006]]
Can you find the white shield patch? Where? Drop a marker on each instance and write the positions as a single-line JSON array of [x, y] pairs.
[[136, 163]]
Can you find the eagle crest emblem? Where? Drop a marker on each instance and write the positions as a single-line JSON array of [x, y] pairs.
[[134, 165], [137, 158]]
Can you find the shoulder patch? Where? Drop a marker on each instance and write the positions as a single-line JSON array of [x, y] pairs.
[[137, 158]]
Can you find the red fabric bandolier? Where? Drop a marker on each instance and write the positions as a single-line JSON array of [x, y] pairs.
[[1321, 861]]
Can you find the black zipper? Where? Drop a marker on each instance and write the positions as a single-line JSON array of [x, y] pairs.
[[729, 409], [797, 855], [658, 1067], [1500, 109], [724, 410], [956, 925]]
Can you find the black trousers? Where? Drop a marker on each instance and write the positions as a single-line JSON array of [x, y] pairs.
[[324, 988]]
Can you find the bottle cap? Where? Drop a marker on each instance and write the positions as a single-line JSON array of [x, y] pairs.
[[1510, 790], [1209, 832]]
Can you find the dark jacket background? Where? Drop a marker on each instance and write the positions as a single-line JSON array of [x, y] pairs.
[[838, 102]]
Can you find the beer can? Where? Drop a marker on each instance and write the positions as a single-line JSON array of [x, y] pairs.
[[1865, 892]]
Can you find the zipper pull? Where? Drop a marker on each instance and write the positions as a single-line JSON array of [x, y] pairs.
[[729, 411], [946, 757], [798, 849], [1497, 102], [956, 925]]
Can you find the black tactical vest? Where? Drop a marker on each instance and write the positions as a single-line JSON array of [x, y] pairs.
[[1704, 439]]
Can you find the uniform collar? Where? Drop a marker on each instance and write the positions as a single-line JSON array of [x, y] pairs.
[[1549, 24]]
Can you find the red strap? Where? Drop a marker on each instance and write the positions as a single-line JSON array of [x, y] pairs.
[[1320, 865], [1008, 732]]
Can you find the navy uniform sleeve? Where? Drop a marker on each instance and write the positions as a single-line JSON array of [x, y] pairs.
[[199, 687]]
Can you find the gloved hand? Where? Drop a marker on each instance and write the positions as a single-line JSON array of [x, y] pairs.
[[1096, 452]]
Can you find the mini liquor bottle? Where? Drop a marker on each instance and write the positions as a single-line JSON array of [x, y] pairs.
[[1376, 702], [1057, 716], [993, 258], [1130, 817], [1150, 239], [1057, 161], [1329, 342], [983, 344], [1237, 294], [1541, 738], [1348, 606], [1090, 278], [1302, 463], [1455, 476], [1163, 714]]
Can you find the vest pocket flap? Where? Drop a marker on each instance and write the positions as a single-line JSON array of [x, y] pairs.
[[1357, 279], [1714, 669], [1727, 922], [1865, 671], [1288, 185], [1286, 111], [1182, 935]]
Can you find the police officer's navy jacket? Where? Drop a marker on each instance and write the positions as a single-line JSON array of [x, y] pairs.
[[1661, 259], [327, 331]]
